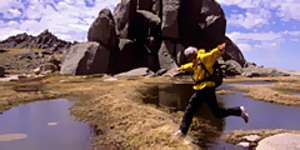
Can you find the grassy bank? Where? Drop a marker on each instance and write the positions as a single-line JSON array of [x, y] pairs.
[[114, 109]]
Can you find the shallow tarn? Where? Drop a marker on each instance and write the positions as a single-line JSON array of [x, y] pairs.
[[263, 115], [45, 125]]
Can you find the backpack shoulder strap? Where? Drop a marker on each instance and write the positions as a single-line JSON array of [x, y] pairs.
[[200, 63]]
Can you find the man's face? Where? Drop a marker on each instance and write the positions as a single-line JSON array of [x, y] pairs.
[[192, 56]]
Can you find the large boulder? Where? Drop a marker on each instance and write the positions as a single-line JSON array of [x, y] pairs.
[[284, 141], [103, 30], [170, 27], [137, 24], [232, 52], [204, 27], [134, 55], [202, 23], [86, 58], [121, 16], [130, 55], [163, 28], [168, 54]]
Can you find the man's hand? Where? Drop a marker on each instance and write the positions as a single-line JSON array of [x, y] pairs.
[[178, 69], [222, 46]]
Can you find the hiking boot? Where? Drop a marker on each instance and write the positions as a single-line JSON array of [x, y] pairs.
[[244, 114], [178, 134]]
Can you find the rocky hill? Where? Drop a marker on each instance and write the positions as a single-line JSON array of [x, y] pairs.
[[44, 40], [24, 53]]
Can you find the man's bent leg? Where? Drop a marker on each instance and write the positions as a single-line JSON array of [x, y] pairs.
[[190, 110], [216, 109]]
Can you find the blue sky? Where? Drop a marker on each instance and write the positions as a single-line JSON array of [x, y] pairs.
[[267, 31]]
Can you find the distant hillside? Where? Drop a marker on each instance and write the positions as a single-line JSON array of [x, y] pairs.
[[45, 40]]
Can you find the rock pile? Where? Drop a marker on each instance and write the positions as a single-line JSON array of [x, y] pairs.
[[154, 33], [45, 40], [27, 53]]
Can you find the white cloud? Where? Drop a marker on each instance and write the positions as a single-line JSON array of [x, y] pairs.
[[251, 19], [265, 36], [68, 19], [11, 8], [262, 40], [259, 12], [241, 3], [287, 9], [245, 47], [7, 31]]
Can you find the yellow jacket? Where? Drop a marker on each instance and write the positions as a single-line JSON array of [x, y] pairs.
[[208, 59]]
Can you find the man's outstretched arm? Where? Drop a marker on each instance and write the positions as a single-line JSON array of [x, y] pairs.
[[185, 67]]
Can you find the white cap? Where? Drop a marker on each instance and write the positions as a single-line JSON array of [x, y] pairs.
[[190, 50]]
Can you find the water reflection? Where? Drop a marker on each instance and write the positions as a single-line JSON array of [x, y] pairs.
[[33, 120], [262, 115]]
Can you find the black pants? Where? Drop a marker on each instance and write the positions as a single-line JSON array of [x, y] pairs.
[[207, 95]]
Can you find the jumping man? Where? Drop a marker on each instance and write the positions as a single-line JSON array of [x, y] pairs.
[[205, 88]]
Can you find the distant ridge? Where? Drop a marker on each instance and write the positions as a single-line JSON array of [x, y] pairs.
[[45, 40]]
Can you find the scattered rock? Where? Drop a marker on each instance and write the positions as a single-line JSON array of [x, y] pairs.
[[10, 78], [231, 68], [254, 71], [110, 79], [161, 72], [173, 72], [45, 69], [244, 144], [284, 141], [252, 138], [86, 58], [136, 72], [290, 72]]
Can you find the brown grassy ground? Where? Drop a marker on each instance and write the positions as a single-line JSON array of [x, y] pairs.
[[280, 90], [114, 109]]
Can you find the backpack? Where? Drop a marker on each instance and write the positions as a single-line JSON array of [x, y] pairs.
[[218, 74], [216, 77]]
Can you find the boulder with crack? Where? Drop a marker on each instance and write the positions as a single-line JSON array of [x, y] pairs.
[[86, 58]]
